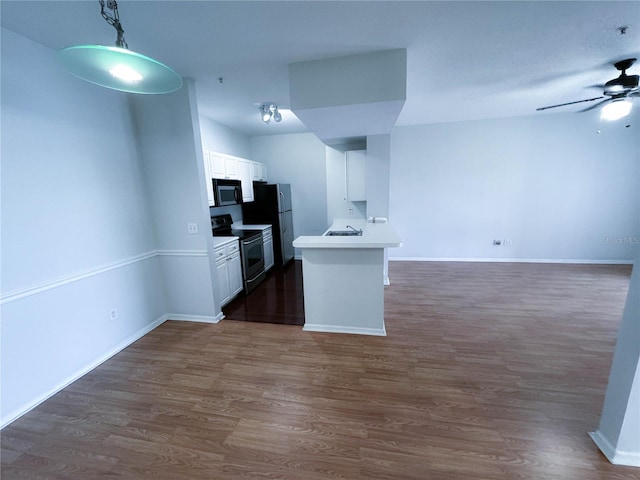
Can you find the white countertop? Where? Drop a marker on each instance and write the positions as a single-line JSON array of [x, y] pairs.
[[217, 241], [241, 226], [374, 235]]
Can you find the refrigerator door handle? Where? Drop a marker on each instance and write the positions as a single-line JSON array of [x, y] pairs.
[[281, 206]]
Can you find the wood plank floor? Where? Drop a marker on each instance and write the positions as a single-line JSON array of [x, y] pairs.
[[489, 371], [279, 299]]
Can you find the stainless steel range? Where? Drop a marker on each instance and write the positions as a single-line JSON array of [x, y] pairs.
[[251, 249]]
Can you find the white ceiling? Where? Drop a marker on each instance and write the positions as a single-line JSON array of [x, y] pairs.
[[465, 60]]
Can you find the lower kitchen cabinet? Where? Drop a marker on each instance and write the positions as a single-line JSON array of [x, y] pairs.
[[267, 239], [228, 271], [235, 274]]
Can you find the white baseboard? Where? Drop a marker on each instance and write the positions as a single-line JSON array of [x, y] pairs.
[[194, 318], [513, 260], [18, 412], [617, 457], [311, 327]]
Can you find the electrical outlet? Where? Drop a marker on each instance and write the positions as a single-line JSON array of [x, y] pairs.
[[507, 242], [113, 314], [351, 211], [192, 228], [497, 242]]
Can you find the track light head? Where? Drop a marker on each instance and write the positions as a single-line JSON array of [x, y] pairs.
[[269, 111], [265, 113]]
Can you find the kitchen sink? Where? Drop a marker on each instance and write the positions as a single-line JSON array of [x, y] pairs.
[[343, 233]]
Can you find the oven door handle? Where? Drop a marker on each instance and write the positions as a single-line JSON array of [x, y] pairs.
[[244, 242]]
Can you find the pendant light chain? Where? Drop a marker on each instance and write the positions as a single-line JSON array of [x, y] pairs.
[[114, 21]]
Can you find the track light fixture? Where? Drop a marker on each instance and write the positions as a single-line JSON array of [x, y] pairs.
[[267, 112], [118, 67]]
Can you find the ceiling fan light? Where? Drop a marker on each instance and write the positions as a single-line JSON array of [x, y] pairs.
[[616, 110]]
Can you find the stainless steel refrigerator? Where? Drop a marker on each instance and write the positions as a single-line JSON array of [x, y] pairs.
[[272, 206]]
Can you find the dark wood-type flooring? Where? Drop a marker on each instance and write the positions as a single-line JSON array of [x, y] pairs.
[[488, 371], [279, 299]]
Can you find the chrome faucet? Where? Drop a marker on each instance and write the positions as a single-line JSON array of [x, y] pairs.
[[357, 231]]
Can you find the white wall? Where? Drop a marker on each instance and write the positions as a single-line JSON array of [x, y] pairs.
[[168, 135], [550, 183], [618, 434], [223, 139], [77, 239], [377, 174], [298, 159]]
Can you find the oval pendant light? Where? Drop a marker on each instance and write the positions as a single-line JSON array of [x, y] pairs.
[[118, 67]]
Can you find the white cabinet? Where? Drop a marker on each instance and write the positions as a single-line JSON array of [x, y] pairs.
[[245, 172], [223, 166], [223, 290], [208, 177], [259, 172], [231, 167], [217, 165], [228, 271], [267, 238], [235, 273], [355, 173]]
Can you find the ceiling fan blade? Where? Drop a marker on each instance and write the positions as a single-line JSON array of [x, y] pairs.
[[591, 107], [568, 103]]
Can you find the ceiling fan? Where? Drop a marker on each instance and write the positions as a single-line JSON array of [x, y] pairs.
[[615, 91]]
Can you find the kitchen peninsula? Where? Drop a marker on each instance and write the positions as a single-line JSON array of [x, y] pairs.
[[343, 277]]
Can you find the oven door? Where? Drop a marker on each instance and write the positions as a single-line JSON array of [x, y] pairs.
[[253, 261]]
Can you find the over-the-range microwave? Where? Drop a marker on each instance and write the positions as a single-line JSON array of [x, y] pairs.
[[227, 192]]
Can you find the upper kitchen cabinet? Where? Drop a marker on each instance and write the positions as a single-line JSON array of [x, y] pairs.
[[223, 166], [259, 172], [245, 172], [356, 177]]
